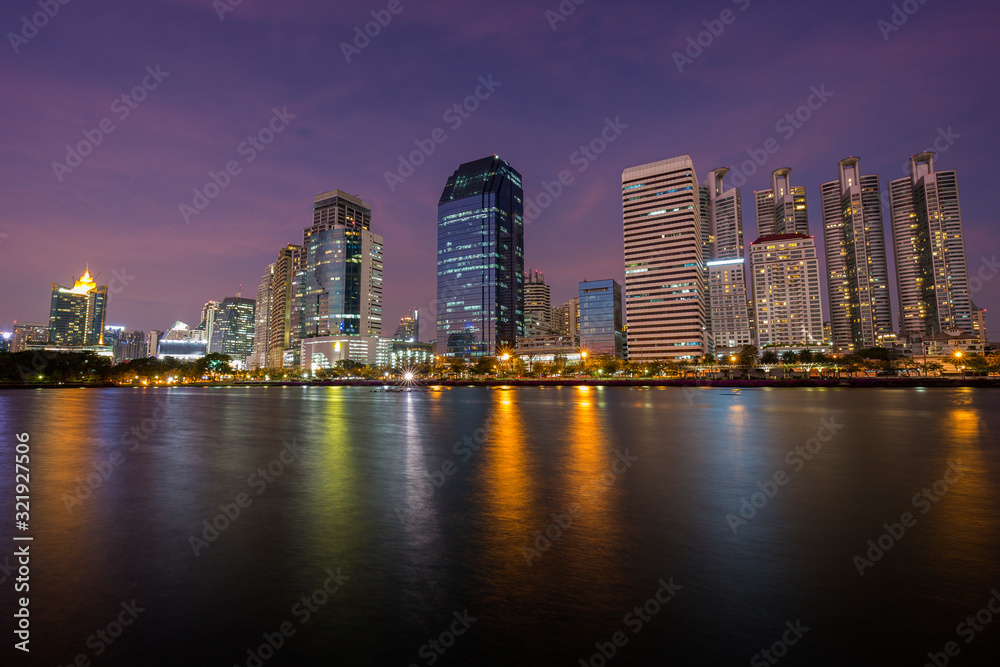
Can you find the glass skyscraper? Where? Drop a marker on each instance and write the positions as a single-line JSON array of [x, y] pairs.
[[233, 331], [601, 318], [480, 267]]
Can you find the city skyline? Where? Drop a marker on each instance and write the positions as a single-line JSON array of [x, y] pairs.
[[130, 188]]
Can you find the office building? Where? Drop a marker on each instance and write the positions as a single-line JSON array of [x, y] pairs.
[[233, 331], [76, 314], [979, 324], [601, 318], [782, 209], [537, 305], [857, 271], [480, 260], [153, 342], [666, 303], [786, 288], [28, 333], [729, 311], [111, 334], [338, 287], [932, 275]]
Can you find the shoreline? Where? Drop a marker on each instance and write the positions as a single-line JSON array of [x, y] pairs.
[[854, 382]]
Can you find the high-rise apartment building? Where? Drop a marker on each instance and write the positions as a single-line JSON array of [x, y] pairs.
[[480, 259], [786, 286], [729, 315], [782, 209], [130, 345], [537, 305], [26, 333], [666, 303], [601, 318], [409, 327], [76, 314], [931, 268], [153, 342], [281, 335], [207, 325], [857, 271], [262, 315]]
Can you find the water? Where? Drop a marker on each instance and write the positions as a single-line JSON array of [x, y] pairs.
[[641, 479]]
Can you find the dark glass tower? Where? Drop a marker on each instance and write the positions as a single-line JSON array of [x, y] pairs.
[[480, 267]]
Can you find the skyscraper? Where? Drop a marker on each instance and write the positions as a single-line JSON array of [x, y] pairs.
[[537, 305], [208, 315], [280, 332], [339, 285], [782, 209], [262, 315], [857, 272], [76, 314], [480, 267], [929, 241], [665, 300], [786, 285], [601, 318], [233, 332], [409, 327], [729, 315]]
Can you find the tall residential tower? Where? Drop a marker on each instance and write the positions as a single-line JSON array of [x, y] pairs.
[[931, 267], [730, 316], [857, 272]]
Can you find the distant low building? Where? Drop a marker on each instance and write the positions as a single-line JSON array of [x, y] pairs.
[[952, 344], [26, 333], [180, 349]]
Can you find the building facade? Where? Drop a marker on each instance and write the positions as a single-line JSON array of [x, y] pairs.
[[786, 288], [601, 318], [932, 276], [480, 260], [666, 303], [281, 336], [729, 314], [857, 271], [28, 333], [782, 209], [130, 345], [233, 332], [76, 314], [537, 305]]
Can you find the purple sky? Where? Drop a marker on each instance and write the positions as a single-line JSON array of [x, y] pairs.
[[119, 209]]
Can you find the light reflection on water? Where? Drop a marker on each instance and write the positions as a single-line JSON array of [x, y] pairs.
[[429, 503]]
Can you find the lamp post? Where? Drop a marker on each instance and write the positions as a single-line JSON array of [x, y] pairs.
[[958, 360]]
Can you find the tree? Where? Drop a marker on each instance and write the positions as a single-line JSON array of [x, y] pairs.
[[806, 356], [458, 366], [769, 357], [788, 357], [748, 357], [483, 366]]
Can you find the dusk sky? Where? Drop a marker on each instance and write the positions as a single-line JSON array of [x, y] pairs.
[[892, 93]]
